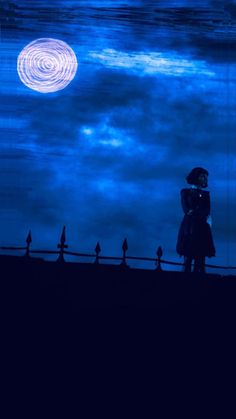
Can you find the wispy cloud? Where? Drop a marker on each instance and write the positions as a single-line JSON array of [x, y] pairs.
[[168, 64], [11, 122]]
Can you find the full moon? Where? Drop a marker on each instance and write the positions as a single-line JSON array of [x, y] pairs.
[[47, 65]]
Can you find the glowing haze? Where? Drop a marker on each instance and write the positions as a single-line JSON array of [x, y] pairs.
[[154, 96]]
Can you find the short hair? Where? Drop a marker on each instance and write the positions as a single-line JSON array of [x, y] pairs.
[[193, 176]]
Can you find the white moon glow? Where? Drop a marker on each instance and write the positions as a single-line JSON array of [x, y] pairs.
[[47, 65]]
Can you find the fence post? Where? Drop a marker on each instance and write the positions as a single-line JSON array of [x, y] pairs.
[[158, 261], [28, 242], [97, 251], [62, 245], [124, 249]]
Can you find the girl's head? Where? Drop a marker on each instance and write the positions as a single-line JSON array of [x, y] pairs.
[[198, 177]]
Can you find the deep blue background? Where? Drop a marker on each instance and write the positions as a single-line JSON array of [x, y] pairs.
[[154, 96]]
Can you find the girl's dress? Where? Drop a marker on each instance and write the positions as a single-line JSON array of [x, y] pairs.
[[195, 237]]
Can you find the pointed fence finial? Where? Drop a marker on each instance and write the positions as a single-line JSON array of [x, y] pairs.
[[124, 248], [62, 246], [63, 235], [28, 242], [97, 251], [158, 261]]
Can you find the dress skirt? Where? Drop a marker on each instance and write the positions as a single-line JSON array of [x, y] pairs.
[[195, 237]]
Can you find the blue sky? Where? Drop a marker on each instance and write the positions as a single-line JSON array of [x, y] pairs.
[[153, 96]]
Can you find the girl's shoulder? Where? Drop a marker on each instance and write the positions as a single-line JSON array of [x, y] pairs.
[[185, 191], [193, 192]]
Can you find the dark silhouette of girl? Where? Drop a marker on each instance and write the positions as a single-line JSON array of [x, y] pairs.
[[195, 240]]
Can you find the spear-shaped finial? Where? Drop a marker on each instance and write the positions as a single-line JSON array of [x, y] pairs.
[[62, 245], [28, 242], [97, 251], [158, 261], [124, 249]]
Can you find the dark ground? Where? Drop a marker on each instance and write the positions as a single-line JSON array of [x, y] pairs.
[[170, 334], [43, 287]]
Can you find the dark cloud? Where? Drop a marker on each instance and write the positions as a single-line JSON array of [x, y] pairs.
[[205, 29]]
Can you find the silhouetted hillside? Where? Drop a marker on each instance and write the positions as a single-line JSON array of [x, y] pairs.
[[186, 327], [35, 283]]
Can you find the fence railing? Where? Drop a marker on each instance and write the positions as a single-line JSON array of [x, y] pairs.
[[97, 257]]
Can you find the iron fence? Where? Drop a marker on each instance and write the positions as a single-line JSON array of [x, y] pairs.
[[97, 257]]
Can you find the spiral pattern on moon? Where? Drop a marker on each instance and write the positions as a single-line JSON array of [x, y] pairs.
[[47, 65]]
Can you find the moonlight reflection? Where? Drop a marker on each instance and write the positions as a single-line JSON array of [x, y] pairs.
[[47, 65]]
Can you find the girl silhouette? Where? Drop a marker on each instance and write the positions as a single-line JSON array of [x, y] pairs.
[[195, 240]]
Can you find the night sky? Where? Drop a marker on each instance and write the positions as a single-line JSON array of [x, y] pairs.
[[154, 95]]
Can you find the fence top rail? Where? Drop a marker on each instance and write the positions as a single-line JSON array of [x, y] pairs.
[[93, 255], [13, 248]]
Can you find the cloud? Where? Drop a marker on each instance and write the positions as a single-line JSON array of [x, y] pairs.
[[152, 63], [109, 155]]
